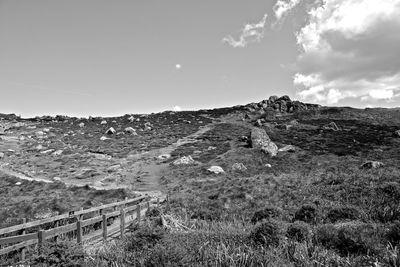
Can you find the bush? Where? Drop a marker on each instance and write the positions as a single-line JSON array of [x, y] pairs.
[[266, 214], [64, 253], [307, 213], [393, 234], [340, 213], [144, 237], [299, 231], [267, 233]]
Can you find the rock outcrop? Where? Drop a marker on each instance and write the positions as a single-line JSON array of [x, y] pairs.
[[281, 104], [260, 140]]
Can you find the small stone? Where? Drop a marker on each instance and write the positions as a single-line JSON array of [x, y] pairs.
[[288, 148], [57, 152], [130, 130], [103, 122], [18, 183], [397, 133], [110, 131], [268, 165], [185, 160], [216, 169], [103, 138], [1, 155], [372, 165], [81, 125], [238, 167], [164, 156]]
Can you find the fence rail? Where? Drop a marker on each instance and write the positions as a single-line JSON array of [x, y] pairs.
[[123, 215]]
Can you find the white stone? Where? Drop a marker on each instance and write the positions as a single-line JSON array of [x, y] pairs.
[[238, 166], [103, 138], [81, 125], [18, 183], [103, 122], [185, 160], [216, 169], [111, 130]]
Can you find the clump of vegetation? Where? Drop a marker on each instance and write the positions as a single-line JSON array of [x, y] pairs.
[[299, 231]]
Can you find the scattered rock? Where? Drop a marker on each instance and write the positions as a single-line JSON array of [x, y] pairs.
[[268, 165], [131, 119], [280, 104], [39, 147], [47, 151], [46, 130], [110, 131], [57, 152], [103, 122], [57, 179], [148, 126], [372, 165], [238, 167], [185, 160], [114, 168], [260, 140], [211, 148], [103, 138], [81, 125], [130, 130], [1, 155], [397, 133], [288, 148], [39, 134], [331, 126], [164, 156], [216, 169]]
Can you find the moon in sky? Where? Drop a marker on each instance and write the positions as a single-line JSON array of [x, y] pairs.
[[178, 66]]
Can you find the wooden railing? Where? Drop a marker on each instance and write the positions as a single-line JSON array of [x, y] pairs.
[[122, 214]]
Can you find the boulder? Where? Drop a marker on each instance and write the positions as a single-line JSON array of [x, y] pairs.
[[185, 160], [372, 165], [273, 98], [260, 140], [288, 148], [110, 131], [238, 166], [216, 169]]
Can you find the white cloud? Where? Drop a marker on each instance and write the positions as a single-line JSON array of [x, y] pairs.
[[251, 33], [177, 108], [350, 48], [282, 8]]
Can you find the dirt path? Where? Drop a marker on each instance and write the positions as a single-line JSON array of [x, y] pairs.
[[145, 169]]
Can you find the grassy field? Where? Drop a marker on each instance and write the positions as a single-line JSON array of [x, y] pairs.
[[311, 207]]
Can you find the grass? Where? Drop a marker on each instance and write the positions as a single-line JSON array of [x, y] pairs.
[[312, 207]]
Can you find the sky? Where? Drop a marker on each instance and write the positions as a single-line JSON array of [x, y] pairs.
[[109, 58]]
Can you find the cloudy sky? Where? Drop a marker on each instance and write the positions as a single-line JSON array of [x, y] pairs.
[[102, 57]]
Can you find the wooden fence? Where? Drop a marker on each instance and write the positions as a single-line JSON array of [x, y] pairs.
[[111, 219]]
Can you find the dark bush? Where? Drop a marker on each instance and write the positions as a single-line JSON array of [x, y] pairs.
[[61, 254], [267, 233], [307, 213], [144, 237], [153, 212], [266, 214], [299, 231], [341, 213], [393, 234], [325, 235]]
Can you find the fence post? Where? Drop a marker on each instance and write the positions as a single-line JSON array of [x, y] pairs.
[[122, 222], [41, 239], [138, 213], [23, 250], [104, 227], [79, 231]]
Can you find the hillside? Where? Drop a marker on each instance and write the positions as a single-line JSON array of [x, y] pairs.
[[302, 196]]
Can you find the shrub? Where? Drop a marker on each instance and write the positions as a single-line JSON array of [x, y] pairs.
[[144, 237], [299, 231], [265, 214], [393, 234], [267, 233], [307, 213], [340, 213], [64, 253]]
